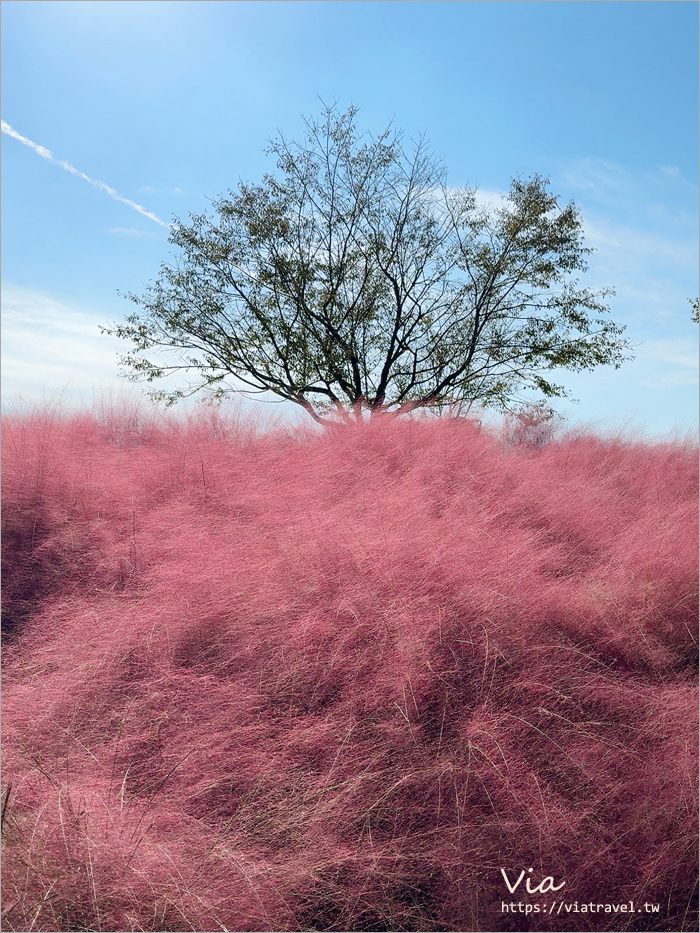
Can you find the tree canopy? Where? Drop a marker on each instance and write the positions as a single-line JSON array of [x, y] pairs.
[[355, 280]]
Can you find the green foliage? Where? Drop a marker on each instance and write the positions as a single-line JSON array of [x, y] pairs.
[[696, 310], [355, 280]]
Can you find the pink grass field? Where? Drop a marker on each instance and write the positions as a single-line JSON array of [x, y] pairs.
[[303, 681]]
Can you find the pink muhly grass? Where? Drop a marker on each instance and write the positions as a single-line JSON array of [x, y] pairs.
[[337, 681]]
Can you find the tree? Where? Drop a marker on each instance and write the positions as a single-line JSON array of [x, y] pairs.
[[355, 280]]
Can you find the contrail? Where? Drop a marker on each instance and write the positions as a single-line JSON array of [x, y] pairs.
[[49, 156]]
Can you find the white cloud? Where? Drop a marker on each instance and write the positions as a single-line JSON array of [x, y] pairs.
[[633, 192], [40, 150], [644, 230], [48, 346], [66, 166], [486, 199], [638, 247], [125, 231], [597, 177], [52, 351], [667, 362]]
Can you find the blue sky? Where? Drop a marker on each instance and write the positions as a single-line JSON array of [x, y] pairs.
[[166, 104]]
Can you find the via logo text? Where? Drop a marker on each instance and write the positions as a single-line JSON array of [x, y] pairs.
[[547, 884]]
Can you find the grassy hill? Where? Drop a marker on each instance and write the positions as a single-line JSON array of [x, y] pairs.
[[339, 681]]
